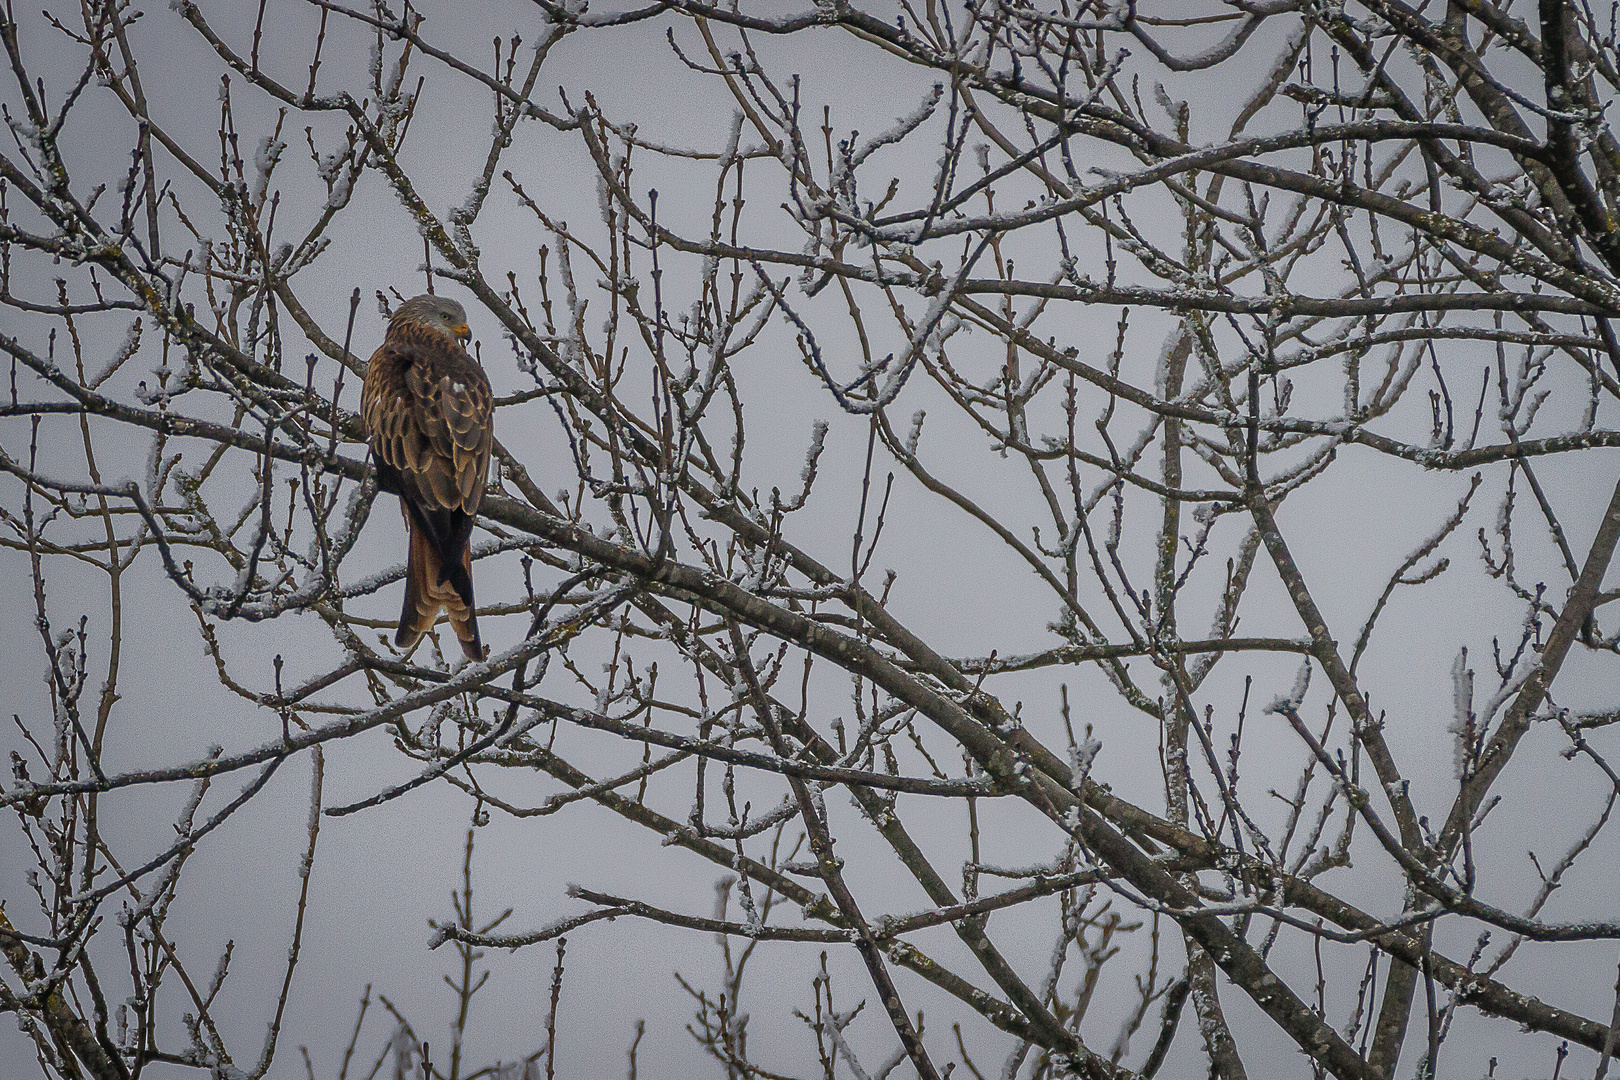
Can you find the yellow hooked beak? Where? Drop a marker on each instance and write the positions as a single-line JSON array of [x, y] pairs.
[[462, 332]]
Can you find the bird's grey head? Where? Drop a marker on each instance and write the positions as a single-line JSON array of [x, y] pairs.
[[439, 312]]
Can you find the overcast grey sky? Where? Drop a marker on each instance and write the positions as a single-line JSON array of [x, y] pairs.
[[380, 874]]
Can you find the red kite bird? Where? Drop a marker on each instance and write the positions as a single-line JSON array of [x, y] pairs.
[[426, 410]]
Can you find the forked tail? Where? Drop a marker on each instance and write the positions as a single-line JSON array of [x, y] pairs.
[[427, 592]]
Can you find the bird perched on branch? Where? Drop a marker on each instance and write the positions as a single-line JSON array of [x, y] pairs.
[[426, 408]]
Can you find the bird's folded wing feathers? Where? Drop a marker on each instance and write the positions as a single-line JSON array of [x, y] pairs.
[[429, 418], [452, 407]]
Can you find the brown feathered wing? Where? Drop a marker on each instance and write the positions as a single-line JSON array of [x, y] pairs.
[[426, 408]]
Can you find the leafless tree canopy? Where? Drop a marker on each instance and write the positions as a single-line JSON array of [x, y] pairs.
[[1136, 475]]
